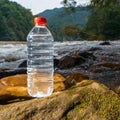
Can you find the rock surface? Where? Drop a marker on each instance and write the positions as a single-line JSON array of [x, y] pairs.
[[87, 100], [14, 87]]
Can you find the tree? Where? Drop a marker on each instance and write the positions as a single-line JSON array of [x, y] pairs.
[[111, 28], [72, 32], [15, 21], [105, 3], [69, 3], [104, 20]]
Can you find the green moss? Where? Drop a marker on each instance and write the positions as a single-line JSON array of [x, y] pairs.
[[82, 84], [71, 92], [85, 83], [80, 106], [107, 104], [55, 104]]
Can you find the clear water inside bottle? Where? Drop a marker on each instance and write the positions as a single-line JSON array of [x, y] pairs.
[[40, 64]]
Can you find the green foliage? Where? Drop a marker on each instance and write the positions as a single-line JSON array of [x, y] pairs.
[[15, 22], [104, 20], [103, 23], [72, 32], [105, 3], [69, 3], [111, 29]]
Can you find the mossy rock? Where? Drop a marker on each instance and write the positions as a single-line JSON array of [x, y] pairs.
[[87, 100]]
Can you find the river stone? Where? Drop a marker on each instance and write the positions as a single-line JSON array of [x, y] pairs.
[[23, 64], [16, 80], [10, 93], [70, 61], [11, 72], [73, 78], [15, 86], [115, 66], [105, 43]]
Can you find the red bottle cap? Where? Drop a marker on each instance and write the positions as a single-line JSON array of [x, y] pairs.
[[41, 21]]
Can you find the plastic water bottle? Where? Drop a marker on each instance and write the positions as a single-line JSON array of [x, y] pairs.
[[40, 60]]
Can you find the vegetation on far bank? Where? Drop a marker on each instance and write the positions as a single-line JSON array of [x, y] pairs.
[[103, 22], [97, 21], [15, 21]]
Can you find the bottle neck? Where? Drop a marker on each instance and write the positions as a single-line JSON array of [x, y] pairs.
[[40, 26], [37, 24]]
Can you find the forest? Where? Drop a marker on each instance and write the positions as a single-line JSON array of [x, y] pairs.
[[15, 21], [101, 21]]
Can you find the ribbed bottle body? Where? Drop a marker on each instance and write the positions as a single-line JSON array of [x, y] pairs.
[[40, 62]]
